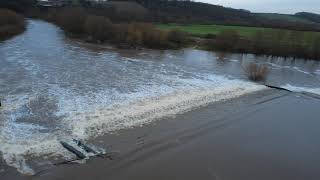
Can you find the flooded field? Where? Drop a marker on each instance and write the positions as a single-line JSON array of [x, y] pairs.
[[53, 88]]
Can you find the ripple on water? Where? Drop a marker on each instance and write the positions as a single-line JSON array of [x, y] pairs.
[[101, 112], [60, 89], [302, 89]]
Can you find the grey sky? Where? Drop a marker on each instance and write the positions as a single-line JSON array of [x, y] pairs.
[[278, 6]]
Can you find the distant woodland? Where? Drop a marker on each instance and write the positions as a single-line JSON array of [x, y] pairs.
[[175, 11], [133, 24]]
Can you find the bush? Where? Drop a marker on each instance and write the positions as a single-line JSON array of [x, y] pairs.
[[8, 17], [144, 34], [258, 44], [279, 43], [124, 11], [178, 37], [154, 38], [226, 40], [10, 24], [257, 72], [315, 48], [285, 44], [98, 27], [135, 34], [20, 6], [210, 36], [72, 20]]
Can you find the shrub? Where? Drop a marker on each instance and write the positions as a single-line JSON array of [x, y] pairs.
[[178, 37], [98, 27], [125, 11], [72, 20], [10, 24], [258, 44], [142, 34], [154, 38], [226, 40], [283, 43], [210, 36], [120, 33], [134, 34], [8, 17], [20, 6], [257, 72], [315, 48]]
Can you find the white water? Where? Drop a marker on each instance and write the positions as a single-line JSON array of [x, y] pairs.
[[54, 89], [302, 89], [92, 115]]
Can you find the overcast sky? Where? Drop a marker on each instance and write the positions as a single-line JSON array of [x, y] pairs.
[[278, 6]]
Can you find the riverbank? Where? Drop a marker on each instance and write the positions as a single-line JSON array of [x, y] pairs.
[[80, 90], [259, 41], [243, 138], [11, 24], [80, 23], [90, 27]]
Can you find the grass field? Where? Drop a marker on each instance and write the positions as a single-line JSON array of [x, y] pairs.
[[283, 17], [201, 30]]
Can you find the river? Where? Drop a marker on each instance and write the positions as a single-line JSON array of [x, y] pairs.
[[54, 88]]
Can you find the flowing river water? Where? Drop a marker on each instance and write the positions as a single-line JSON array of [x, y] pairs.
[[53, 88]]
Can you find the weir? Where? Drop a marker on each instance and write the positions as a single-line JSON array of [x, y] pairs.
[[278, 88], [310, 94], [72, 86]]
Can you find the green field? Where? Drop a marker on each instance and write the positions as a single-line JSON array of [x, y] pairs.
[[283, 17], [200, 30]]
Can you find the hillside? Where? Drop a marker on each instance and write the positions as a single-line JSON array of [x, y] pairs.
[[182, 12], [189, 12], [284, 17], [17, 5], [309, 16]]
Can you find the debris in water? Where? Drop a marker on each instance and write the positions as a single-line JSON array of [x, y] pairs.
[[85, 147], [72, 149]]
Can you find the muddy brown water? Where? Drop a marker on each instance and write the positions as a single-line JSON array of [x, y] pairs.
[[53, 88]]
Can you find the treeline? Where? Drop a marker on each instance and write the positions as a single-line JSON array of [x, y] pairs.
[[119, 11], [309, 16], [172, 11], [129, 24], [94, 28], [187, 12], [10, 24], [277, 43], [20, 6]]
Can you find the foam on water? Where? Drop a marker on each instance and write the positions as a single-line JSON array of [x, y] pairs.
[[20, 140], [97, 113], [54, 90], [154, 103], [302, 89], [289, 67]]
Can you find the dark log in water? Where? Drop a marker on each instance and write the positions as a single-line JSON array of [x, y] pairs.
[[278, 88], [85, 147], [73, 150]]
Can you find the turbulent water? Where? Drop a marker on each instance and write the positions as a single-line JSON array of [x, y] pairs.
[[53, 88]]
